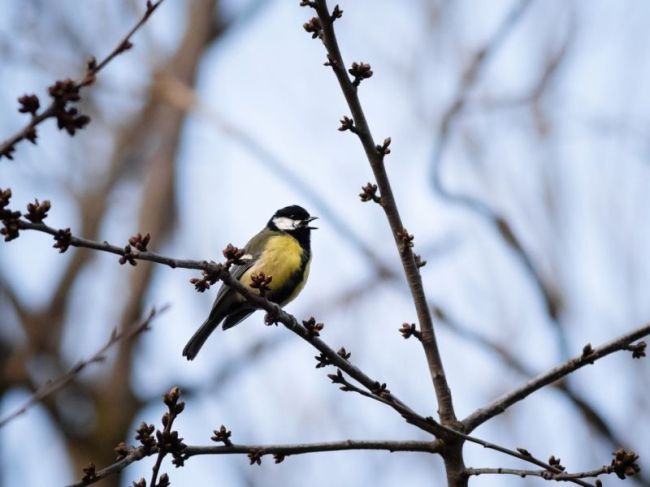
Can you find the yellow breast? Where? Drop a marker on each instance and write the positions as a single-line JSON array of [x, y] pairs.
[[280, 259]]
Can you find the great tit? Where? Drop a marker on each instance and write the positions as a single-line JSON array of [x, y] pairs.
[[281, 250]]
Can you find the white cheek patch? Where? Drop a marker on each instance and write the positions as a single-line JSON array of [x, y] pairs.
[[284, 223], [246, 257]]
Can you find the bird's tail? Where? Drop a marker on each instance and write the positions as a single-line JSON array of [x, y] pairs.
[[198, 339]]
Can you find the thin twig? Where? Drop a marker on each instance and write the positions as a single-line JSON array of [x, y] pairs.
[[624, 465], [57, 384], [156, 467], [136, 455], [168, 441], [525, 455], [482, 415], [92, 69], [391, 446], [545, 474], [126, 40], [279, 451]]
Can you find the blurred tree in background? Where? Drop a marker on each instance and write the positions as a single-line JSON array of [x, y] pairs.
[[519, 160]]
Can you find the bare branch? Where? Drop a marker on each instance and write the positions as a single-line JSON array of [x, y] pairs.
[[285, 450], [591, 415], [134, 456], [545, 474], [64, 239], [376, 154], [63, 92], [375, 389], [168, 440], [56, 384], [278, 451], [589, 356], [624, 465], [525, 455]]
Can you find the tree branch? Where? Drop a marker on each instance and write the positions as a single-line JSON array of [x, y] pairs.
[[545, 474], [298, 449], [54, 385], [278, 451], [375, 155], [219, 272], [525, 455], [624, 465], [589, 356], [376, 390], [68, 119], [590, 414]]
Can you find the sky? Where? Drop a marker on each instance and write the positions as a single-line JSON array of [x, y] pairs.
[[576, 193]]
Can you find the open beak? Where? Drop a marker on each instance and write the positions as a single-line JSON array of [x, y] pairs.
[[308, 221]]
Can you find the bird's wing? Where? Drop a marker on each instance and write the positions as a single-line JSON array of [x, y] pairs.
[[253, 250]]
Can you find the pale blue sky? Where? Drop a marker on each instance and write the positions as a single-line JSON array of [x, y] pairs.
[[267, 79]]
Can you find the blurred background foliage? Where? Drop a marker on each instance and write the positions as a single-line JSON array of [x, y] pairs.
[[520, 161]]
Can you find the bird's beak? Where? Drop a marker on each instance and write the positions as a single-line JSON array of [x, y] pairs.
[[309, 220]]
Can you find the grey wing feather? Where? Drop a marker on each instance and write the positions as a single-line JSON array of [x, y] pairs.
[[237, 317], [225, 305], [253, 249], [236, 272]]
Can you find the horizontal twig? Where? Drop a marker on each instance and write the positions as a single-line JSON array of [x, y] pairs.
[[545, 474], [297, 449], [278, 451], [525, 455]]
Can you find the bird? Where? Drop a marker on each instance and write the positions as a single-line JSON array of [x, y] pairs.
[[281, 250]]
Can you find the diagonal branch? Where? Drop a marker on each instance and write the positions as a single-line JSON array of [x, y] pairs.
[[56, 384], [65, 238], [589, 356], [376, 390], [375, 155], [591, 415], [57, 107]]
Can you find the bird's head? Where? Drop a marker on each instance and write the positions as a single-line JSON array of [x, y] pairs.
[[291, 218]]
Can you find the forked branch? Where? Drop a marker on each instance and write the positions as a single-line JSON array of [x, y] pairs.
[[323, 27]]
